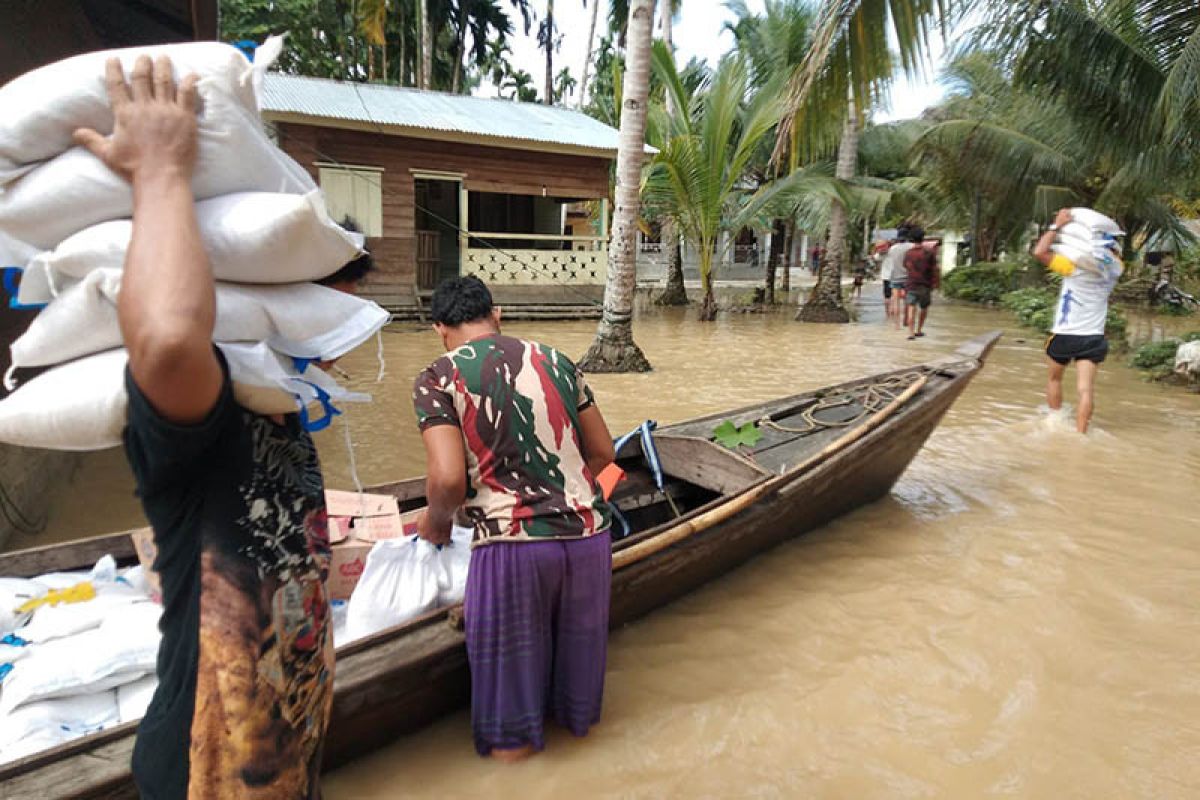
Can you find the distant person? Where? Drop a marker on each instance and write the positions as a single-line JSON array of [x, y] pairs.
[[513, 439], [923, 276], [1078, 332], [818, 254], [860, 277], [895, 275]]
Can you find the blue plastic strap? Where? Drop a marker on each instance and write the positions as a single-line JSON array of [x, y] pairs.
[[619, 517], [11, 277], [302, 364], [649, 449], [313, 426]]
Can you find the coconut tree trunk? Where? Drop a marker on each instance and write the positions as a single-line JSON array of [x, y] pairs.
[[675, 293], [549, 52], [708, 306], [614, 349], [426, 77], [459, 48], [789, 259], [587, 58], [824, 304], [777, 252]]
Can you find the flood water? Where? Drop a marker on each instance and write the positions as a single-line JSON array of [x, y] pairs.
[[1018, 619]]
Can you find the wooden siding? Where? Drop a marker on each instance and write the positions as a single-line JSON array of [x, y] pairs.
[[485, 169]]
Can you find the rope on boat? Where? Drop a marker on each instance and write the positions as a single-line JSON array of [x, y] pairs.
[[875, 397], [688, 528]]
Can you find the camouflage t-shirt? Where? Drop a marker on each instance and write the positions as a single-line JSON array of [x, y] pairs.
[[517, 404]]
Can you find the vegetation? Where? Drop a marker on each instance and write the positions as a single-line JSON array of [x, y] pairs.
[[1158, 358], [984, 282], [1036, 307]]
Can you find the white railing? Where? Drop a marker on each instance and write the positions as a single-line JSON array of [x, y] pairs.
[[489, 257]]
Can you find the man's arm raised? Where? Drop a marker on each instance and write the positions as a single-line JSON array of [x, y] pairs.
[[167, 306]]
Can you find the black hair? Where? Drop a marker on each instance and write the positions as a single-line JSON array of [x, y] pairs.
[[460, 300], [916, 234], [353, 271]]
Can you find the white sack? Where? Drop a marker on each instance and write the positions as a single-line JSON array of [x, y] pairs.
[[301, 319], [15, 592], [75, 191], [43, 107], [401, 580], [121, 650], [47, 723], [82, 405], [250, 237], [1187, 359], [1096, 221], [134, 698], [456, 559]]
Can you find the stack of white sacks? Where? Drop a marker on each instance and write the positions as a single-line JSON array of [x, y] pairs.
[[64, 222], [1090, 242], [87, 661], [79, 660]]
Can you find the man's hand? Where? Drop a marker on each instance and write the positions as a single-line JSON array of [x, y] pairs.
[[1064, 217], [427, 532], [155, 129]]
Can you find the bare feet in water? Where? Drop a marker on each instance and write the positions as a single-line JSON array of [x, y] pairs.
[[512, 755]]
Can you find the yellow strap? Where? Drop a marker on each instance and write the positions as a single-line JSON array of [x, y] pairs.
[[79, 593], [1062, 265]]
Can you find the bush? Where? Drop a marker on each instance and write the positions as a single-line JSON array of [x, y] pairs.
[[1156, 356], [983, 283], [1033, 307]]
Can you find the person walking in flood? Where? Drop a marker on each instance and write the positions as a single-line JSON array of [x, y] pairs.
[[514, 441], [1079, 323], [896, 276], [235, 499], [922, 277]]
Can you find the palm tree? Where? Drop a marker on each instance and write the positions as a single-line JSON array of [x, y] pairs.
[[675, 293], [587, 54], [614, 349], [711, 138], [842, 76]]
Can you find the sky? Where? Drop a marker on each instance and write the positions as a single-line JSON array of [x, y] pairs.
[[699, 31]]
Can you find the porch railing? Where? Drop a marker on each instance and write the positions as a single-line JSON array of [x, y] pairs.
[[559, 260]]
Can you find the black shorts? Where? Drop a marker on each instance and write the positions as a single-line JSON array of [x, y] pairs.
[[1063, 348], [887, 289], [920, 296]]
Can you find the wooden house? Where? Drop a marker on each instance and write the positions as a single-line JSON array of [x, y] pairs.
[[446, 185]]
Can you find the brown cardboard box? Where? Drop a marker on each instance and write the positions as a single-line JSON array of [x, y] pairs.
[[349, 561], [147, 551], [352, 539]]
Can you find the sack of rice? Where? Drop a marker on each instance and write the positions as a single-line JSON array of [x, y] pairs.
[[250, 237], [83, 405], [302, 320], [42, 108]]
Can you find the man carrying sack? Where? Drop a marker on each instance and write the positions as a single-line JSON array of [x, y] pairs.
[[235, 498]]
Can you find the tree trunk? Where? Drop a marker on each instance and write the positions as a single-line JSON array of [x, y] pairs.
[[708, 306], [426, 45], [675, 293], [614, 349], [587, 58], [370, 62], [460, 48], [789, 260], [778, 242], [825, 302], [549, 52]]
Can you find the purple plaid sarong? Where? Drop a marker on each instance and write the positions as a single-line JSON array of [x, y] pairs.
[[536, 616]]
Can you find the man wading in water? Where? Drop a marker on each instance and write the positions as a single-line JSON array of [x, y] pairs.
[[513, 437], [236, 500], [1080, 320]]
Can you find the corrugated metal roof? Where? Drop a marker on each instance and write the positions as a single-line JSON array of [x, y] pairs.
[[454, 116]]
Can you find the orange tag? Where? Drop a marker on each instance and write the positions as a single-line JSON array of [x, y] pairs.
[[608, 479]]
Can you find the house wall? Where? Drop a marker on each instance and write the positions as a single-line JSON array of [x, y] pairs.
[[486, 169]]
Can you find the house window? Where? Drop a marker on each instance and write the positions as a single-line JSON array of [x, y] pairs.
[[354, 192]]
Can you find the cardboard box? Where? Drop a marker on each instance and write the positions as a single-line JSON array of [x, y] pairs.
[[352, 537], [352, 504]]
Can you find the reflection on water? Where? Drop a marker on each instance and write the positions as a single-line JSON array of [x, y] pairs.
[[1017, 619]]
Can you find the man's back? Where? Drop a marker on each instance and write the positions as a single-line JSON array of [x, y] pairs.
[[517, 404], [920, 267], [893, 262]]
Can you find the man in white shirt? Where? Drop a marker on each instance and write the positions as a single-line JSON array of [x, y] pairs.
[[895, 275], [1079, 323]]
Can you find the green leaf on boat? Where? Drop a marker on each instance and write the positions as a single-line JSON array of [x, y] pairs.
[[729, 435]]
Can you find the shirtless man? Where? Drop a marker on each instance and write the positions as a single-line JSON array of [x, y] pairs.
[[1078, 333]]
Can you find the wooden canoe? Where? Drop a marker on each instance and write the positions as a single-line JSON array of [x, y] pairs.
[[823, 453]]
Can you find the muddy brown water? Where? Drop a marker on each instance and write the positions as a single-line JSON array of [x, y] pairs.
[[1019, 618]]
